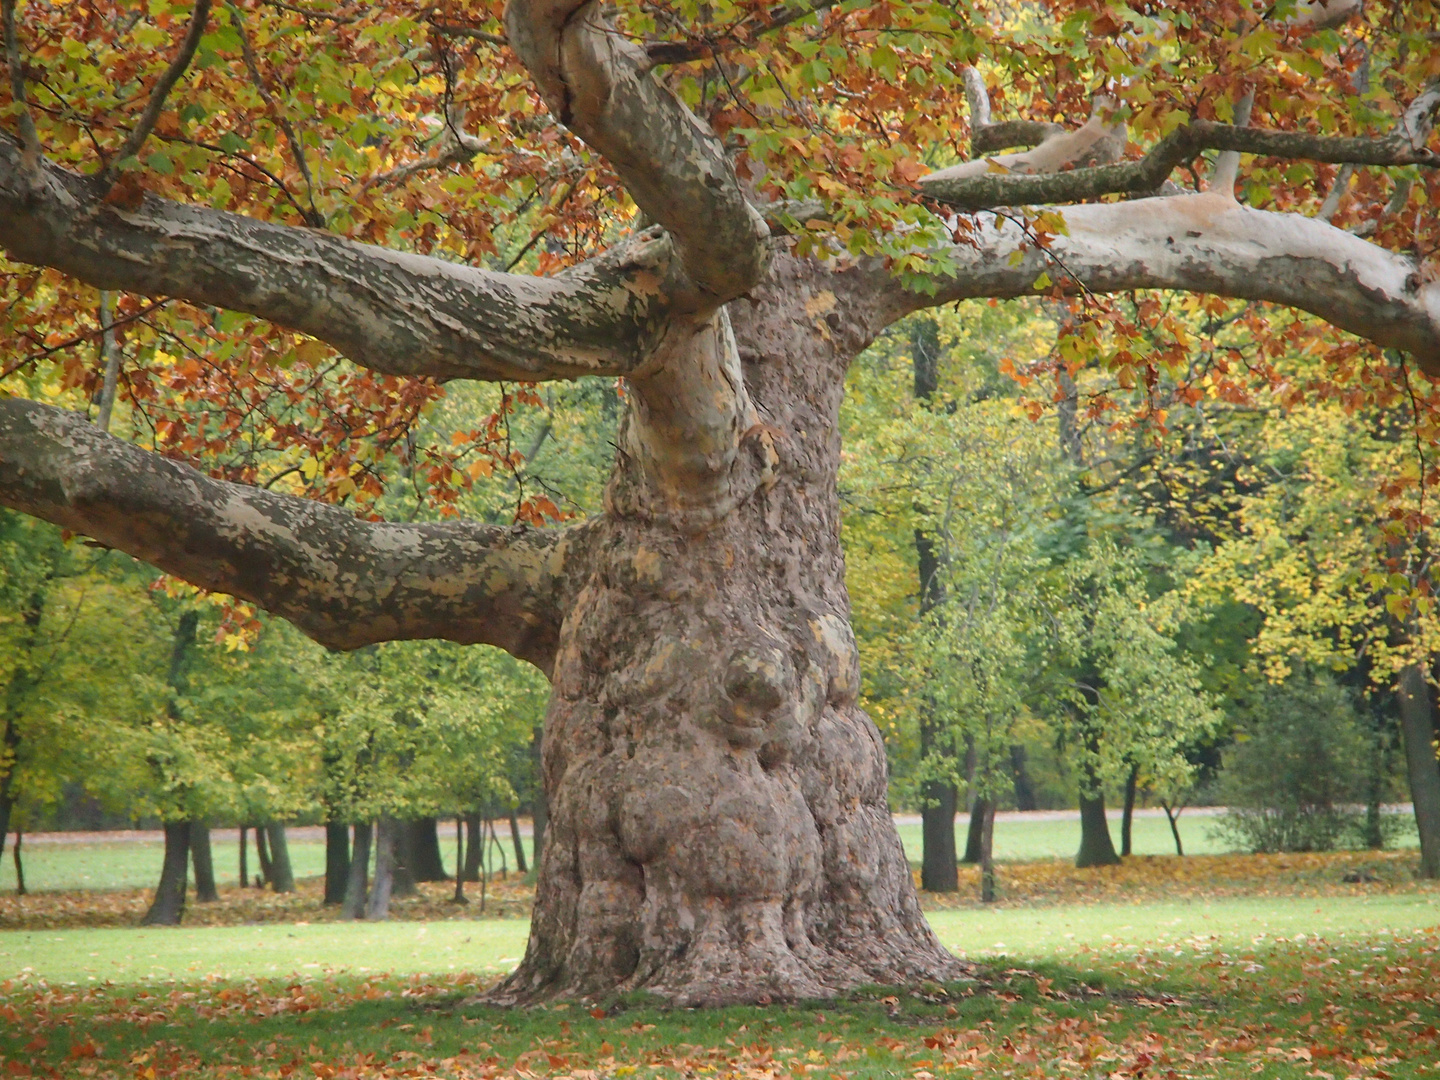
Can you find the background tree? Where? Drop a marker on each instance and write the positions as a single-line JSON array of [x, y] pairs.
[[718, 826]]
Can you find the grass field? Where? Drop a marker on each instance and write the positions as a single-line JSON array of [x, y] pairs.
[[490, 947], [136, 864], [1293, 988]]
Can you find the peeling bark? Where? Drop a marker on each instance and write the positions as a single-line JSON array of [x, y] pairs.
[[1201, 243], [391, 311], [344, 581]]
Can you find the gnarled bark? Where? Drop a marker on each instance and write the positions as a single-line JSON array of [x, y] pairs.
[[718, 820]]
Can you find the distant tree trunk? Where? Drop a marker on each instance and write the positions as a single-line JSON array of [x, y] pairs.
[[1418, 726], [1374, 828], [262, 856], [200, 856], [1127, 815], [975, 834], [378, 906], [459, 896], [1096, 847], [519, 842], [168, 907], [402, 878], [357, 887], [987, 850], [337, 861], [422, 850], [1172, 815], [1024, 786], [244, 859], [282, 878], [472, 846], [939, 870], [539, 808], [20, 889], [22, 681]]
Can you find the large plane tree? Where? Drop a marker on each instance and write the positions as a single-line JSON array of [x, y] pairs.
[[720, 205]]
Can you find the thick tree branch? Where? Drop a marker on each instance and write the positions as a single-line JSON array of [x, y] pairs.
[[674, 167], [387, 310], [987, 136], [961, 188], [1201, 243], [141, 131], [344, 581]]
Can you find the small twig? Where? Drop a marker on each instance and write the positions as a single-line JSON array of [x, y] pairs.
[[313, 217], [78, 339], [146, 124]]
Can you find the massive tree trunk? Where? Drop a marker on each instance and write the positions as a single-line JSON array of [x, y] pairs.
[[718, 820], [1417, 726]]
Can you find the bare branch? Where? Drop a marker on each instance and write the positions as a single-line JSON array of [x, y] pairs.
[[313, 215], [674, 167], [961, 187], [141, 131], [1227, 165], [1205, 243], [987, 136], [391, 311], [344, 581]]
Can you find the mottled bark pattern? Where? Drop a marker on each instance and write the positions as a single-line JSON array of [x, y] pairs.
[[718, 821]]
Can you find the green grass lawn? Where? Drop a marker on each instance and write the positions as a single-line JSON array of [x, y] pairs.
[[132, 864], [1280, 989], [491, 947], [1048, 839]]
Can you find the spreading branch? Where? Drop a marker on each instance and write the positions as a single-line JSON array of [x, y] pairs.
[[344, 581], [391, 311], [1204, 243], [957, 188], [141, 131], [675, 168]]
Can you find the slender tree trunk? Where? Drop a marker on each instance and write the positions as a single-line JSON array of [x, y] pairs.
[[459, 896], [1096, 847], [539, 804], [472, 846], [1172, 815], [201, 858], [519, 843], [337, 861], [20, 889], [422, 850], [168, 907], [244, 858], [22, 681], [401, 876], [1127, 815], [378, 905], [262, 856], [1024, 786], [282, 877], [1418, 727], [357, 886], [975, 834], [987, 851]]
